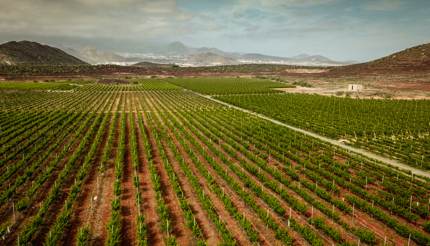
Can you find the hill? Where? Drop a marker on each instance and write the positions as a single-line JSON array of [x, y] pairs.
[[210, 59], [415, 59], [93, 55], [26, 52]]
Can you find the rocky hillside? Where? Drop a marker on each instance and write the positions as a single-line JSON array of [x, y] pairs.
[[26, 52], [413, 59]]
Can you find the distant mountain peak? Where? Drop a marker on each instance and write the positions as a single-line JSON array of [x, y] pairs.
[[177, 44], [300, 56], [177, 48]]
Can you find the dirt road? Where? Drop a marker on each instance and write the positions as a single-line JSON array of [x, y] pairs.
[[355, 150]]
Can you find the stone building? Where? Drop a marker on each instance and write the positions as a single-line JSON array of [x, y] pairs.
[[355, 87]]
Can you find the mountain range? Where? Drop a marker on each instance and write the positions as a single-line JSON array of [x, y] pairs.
[[183, 55], [26, 52]]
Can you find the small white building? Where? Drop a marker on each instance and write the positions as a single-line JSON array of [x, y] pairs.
[[355, 87]]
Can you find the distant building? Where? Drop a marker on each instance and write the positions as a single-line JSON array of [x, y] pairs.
[[355, 87]]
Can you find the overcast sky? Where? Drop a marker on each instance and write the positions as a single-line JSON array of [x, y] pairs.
[[339, 29]]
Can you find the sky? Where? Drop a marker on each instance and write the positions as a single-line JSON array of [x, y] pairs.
[[358, 30]]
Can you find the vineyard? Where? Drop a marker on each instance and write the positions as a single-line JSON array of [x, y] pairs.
[[36, 86], [228, 85], [395, 128], [151, 163]]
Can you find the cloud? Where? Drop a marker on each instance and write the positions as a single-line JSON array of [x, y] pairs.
[[92, 18], [281, 4], [383, 5], [279, 27]]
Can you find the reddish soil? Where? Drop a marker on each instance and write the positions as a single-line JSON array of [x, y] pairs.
[[280, 220], [234, 161], [229, 221], [208, 228], [101, 212], [96, 212], [346, 217], [265, 233], [84, 204], [5, 210], [219, 206], [366, 221], [180, 230], [155, 236], [37, 199], [241, 157], [267, 236], [58, 204], [129, 210]]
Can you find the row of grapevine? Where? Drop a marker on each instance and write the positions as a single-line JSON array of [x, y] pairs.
[[213, 173], [396, 128]]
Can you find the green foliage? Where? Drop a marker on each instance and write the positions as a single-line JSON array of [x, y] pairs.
[[302, 84], [36, 86], [320, 224], [398, 128], [366, 236], [241, 160], [227, 85], [83, 237], [427, 226], [156, 84]]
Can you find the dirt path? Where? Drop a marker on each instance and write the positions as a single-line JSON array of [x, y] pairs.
[[266, 235], [364, 219], [180, 230], [376, 226], [230, 222], [354, 150], [239, 156], [100, 215], [85, 202], [6, 212], [149, 209], [235, 229], [128, 202], [281, 221], [208, 228]]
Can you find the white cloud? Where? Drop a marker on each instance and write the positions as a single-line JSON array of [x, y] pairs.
[[279, 27], [137, 19]]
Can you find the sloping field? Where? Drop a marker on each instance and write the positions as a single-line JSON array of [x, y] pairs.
[[152, 164]]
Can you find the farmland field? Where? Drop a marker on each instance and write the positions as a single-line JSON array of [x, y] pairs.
[[228, 85], [149, 163], [395, 128], [36, 86]]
